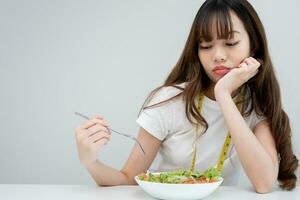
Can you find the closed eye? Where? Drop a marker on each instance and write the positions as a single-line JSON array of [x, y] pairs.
[[232, 44], [204, 47]]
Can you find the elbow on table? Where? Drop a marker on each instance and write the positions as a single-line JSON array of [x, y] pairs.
[[264, 188], [264, 185]]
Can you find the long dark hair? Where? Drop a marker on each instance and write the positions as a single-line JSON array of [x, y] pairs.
[[264, 88]]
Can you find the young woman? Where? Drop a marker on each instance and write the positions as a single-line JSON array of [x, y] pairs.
[[222, 92]]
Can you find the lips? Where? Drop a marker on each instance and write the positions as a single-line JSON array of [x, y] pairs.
[[221, 70]]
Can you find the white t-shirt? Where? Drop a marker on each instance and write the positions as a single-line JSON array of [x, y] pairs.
[[168, 123]]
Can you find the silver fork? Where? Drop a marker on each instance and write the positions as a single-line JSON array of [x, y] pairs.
[[123, 134]]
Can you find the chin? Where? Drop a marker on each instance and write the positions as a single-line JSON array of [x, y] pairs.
[[217, 79]]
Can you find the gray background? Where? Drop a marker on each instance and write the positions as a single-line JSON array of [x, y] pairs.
[[102, 57]]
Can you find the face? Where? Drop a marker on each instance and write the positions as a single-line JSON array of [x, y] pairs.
[[220, 55]]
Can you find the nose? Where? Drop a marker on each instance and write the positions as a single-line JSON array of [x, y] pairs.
[[219, 55]]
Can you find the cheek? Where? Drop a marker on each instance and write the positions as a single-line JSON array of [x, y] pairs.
[[206, 63], [203, 59], [240, 53]]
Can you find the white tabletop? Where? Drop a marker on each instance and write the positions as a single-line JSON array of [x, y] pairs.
[[76, 192]]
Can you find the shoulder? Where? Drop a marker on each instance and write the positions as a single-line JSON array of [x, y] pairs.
[[166, 93], [254, 118]]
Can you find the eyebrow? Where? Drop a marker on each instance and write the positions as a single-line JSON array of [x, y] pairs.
[[230, 32], [234, 31]]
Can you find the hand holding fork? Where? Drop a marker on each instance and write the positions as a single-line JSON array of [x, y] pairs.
[[92, 135]]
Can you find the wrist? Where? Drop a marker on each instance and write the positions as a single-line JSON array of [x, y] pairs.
[[90, 164], [221, 94]]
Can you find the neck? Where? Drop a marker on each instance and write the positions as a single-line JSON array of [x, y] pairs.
[[209, 92]]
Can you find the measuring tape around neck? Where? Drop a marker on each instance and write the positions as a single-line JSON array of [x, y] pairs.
[[226, 144]]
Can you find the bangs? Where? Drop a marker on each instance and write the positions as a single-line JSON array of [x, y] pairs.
[[218, 15]]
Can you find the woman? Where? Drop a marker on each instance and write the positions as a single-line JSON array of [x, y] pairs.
[[223, 88]]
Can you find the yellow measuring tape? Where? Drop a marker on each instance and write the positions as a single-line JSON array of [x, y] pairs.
[[226, 145]]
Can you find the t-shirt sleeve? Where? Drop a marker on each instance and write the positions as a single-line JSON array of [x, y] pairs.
[[157, 120], [255, 119]]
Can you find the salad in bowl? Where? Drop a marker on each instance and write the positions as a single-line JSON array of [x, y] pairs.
[[180, 184]]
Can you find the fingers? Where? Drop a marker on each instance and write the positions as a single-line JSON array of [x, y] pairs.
[[100, 143], [85, 140], [92, 126], [251, 62], [99, 136], [260, 61], [94, 121], [98, 117], [97, 128], [256, 61], [248, 68], [90, 137], [243, 65]]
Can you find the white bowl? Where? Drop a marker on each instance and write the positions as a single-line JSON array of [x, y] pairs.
[[178, 191]]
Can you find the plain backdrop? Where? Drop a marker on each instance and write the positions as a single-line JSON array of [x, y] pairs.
[[103, 57]]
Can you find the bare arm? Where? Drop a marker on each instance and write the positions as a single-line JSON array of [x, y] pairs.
[[136, 163], [256, 150]]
